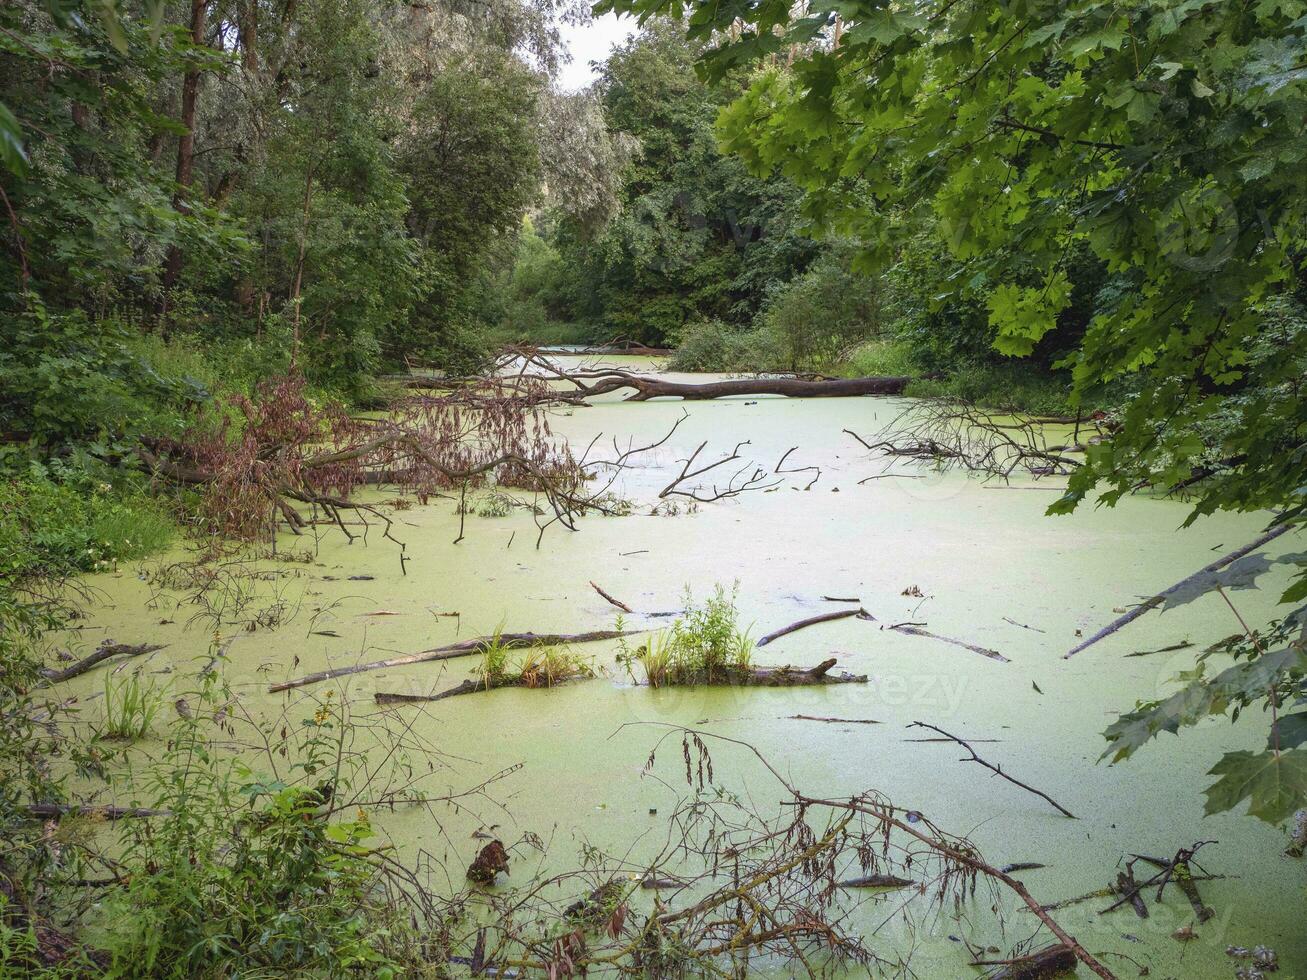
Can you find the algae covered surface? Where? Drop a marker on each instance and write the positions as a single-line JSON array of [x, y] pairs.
[[973, 560]]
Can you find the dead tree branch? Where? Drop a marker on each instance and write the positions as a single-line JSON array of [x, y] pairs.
[[1158, 599], [997, 770], [813, 621], [735, 486], [102, 653]]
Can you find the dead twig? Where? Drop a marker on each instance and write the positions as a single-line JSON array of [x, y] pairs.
[[616, 602], [997, 770]]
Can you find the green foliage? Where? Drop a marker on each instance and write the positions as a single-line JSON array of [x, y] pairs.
[[79, 524], [697, 237], [711, 345], [705, 645], [250, 871]]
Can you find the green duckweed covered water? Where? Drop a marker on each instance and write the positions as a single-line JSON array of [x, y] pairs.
[[991, 569]]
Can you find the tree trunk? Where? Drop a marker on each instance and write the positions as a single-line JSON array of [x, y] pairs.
[[185, 146]]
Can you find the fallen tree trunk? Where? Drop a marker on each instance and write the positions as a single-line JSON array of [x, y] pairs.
[[646, 388], [602, 380], [102, 653], [1052, 961], [464, 648]]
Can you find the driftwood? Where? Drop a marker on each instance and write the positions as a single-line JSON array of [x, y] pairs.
[[470, 686], [102, 653], [45, 811], [1177, 869], [913, 630], [997, 770], [1127, 885], [616, 602], [813, 621], [836, 721], [464, 648], [1158, 599]]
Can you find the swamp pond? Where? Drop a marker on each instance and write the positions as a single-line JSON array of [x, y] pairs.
[[973, 560]]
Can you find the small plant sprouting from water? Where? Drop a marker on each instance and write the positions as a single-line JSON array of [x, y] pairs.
[[494, 660], [704, 645], [130, 707], [547, 666], [540, 666]]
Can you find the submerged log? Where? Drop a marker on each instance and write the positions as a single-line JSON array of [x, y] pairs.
[[788, 676], [464, 648], [912, 630], [877, 881], [1052, 961], [490, 860], [470, 686]]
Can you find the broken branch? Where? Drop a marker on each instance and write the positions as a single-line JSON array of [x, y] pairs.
[[997, 770]]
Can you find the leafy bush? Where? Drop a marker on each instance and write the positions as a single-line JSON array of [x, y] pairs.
[[813, 320], [250, 871], [713, 345]]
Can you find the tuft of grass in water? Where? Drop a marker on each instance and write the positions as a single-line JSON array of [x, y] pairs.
[[656, 657], [494, 660], [130, 707], [705, 645], [547, 666]]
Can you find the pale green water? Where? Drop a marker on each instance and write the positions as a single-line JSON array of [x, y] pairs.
[[977, 552]]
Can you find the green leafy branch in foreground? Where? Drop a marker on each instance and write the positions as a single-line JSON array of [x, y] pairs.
[[1270, 668]]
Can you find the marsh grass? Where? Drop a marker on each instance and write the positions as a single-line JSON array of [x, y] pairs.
[[542, 666], [130, 707], [547, 666], [494, 660]]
